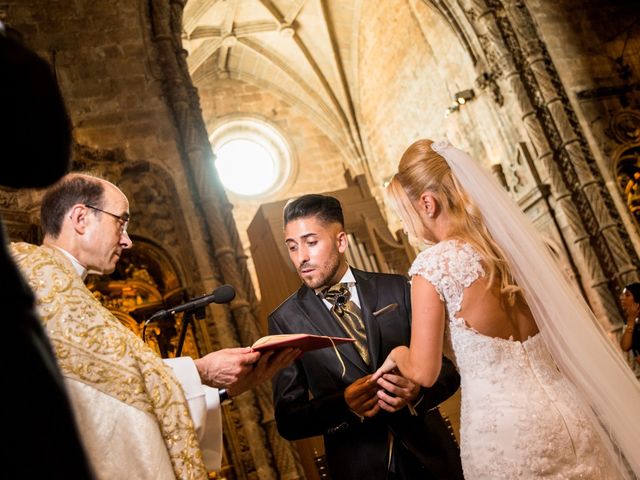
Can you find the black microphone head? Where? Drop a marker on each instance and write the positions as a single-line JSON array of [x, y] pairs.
[[224, 294]]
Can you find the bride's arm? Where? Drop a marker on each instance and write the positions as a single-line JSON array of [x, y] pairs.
[[422, 360]]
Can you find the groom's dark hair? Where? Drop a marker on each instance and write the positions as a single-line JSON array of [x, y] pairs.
[[325, 207]]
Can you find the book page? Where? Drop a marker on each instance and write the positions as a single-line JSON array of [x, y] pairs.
[[277, 338]]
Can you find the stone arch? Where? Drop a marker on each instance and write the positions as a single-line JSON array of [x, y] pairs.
[[152, 195], [157, 219]]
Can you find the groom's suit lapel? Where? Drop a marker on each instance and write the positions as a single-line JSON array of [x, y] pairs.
[[368, 294], [320, 321]]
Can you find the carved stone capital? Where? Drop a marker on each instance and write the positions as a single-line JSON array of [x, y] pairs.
[[625, 126]]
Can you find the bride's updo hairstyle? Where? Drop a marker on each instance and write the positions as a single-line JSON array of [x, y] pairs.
[[423, 170]]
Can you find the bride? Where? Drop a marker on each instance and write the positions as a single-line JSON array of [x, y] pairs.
[[545, 394]]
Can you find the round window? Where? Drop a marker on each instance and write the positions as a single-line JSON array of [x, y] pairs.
[[252, 158]]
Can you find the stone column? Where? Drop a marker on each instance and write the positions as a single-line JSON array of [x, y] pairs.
[[271, 456], [519, 61]]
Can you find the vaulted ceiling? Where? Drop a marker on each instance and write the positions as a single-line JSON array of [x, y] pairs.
[[303, 50]]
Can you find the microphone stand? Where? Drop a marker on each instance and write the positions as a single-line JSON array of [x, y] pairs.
[[222, 294], [186, 321]]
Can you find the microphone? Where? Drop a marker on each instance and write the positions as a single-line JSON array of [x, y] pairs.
[[222, 294]]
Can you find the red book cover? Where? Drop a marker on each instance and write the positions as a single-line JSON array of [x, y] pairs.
[[303, 341]]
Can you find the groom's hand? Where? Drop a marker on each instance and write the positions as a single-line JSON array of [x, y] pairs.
[[361, 397], [396, 392]]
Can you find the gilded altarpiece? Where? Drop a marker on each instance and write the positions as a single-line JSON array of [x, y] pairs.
[[624, 130]]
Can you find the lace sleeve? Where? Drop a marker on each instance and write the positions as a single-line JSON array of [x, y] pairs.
[[429, 266], [450, 266]]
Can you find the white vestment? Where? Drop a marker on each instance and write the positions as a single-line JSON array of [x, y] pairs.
[[137, 418]]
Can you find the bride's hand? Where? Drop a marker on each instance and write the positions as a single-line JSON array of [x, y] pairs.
[[388, 365]]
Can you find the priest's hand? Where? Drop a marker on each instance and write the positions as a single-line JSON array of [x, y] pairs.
[[225, 367], [239, 369], [265, 368]]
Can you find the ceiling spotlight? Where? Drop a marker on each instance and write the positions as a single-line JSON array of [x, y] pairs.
[[454, 107], [464, 96]]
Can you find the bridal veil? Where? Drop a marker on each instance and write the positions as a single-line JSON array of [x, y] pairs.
[[577, 342]]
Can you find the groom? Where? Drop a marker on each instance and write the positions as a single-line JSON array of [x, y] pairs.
[[385, 430]]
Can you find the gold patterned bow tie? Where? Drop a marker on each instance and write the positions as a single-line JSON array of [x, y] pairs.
[[349, 316]]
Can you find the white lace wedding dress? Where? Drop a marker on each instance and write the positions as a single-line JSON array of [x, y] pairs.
[[520, 417]]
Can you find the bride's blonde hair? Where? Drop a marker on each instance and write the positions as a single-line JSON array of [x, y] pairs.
[[423, 170]]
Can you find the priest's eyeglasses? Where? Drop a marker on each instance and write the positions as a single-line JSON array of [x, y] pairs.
[[123, 220]]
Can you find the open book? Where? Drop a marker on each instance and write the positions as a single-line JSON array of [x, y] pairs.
[[303, 341]]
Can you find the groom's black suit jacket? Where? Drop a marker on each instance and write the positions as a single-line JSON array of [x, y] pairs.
[[309, 400]]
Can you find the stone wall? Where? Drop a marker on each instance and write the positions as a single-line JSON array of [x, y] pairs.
[[106, 67], [411, 64], [319, 165]]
